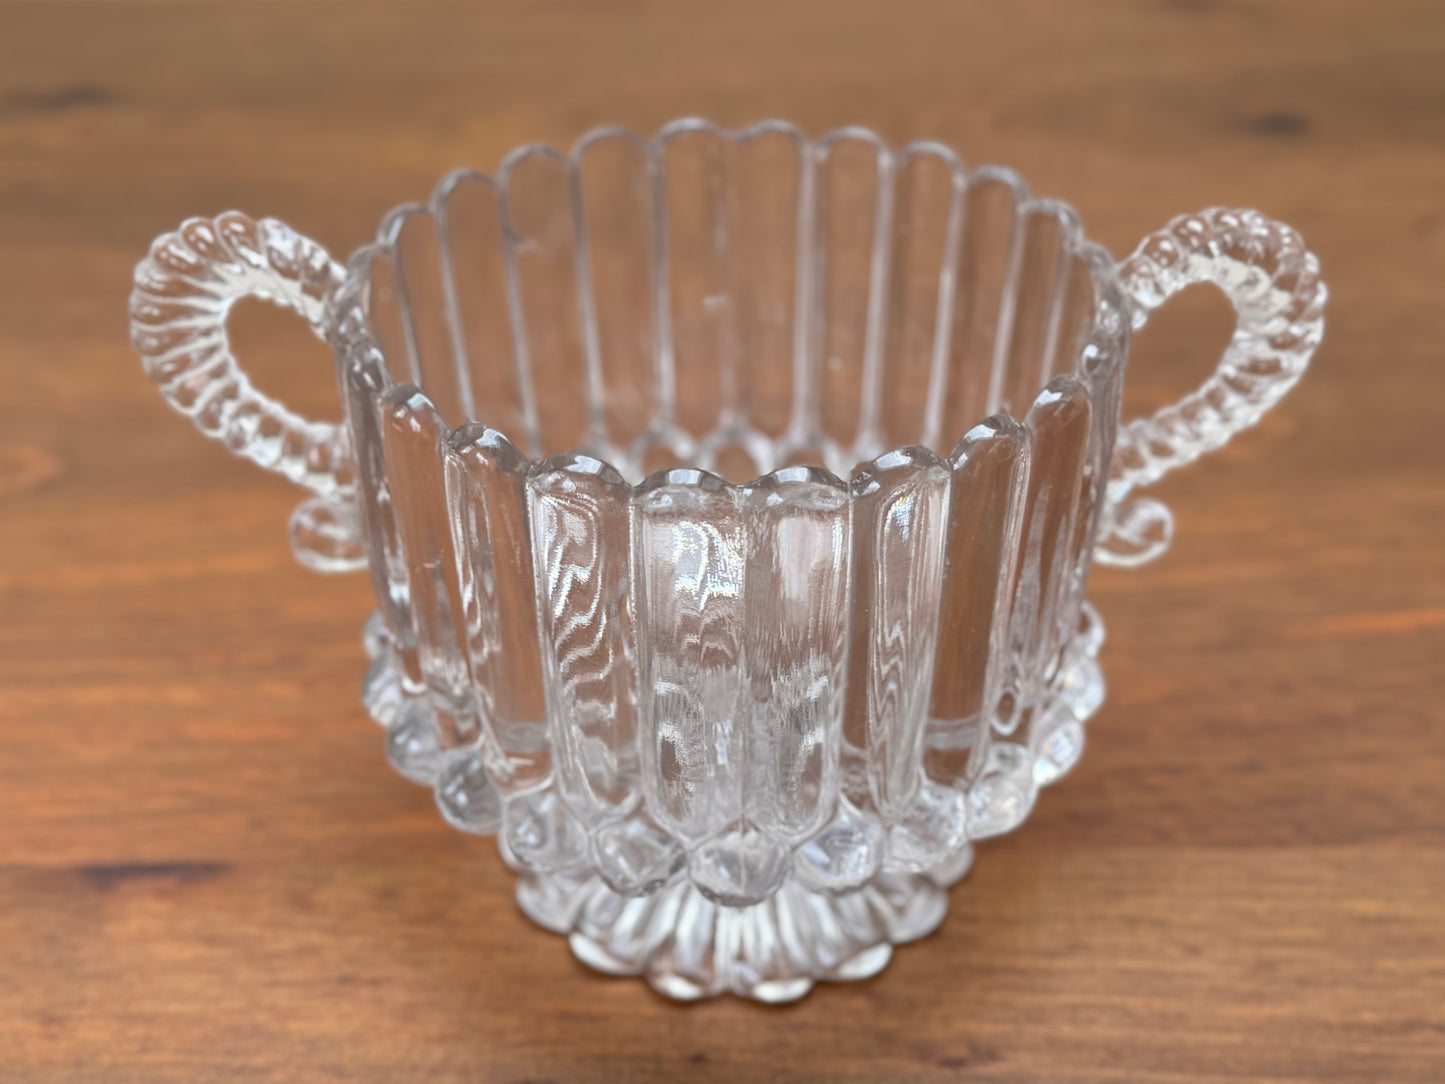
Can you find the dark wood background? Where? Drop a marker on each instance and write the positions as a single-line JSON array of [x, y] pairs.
[[207, 870]]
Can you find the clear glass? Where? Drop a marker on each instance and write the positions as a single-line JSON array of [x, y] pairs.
[[729, 499]]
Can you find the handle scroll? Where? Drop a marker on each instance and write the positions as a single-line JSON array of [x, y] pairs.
[[184, 290], [1273, 282]]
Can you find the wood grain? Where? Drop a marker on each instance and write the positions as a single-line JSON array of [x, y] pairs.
[[207, 871]]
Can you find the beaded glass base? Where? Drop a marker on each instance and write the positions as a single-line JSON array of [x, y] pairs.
[[632, 902], [729, 500]]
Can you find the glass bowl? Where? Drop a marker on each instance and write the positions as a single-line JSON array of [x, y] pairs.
[[730, 500]]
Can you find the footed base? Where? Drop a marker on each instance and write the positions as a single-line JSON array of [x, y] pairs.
[[689, 947], [734, 913]]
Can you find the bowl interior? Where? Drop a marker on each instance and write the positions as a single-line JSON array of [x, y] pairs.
[[731, 301]]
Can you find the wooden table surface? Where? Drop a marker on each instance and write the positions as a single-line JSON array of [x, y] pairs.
[[208, 871]]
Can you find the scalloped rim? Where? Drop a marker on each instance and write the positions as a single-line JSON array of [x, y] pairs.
[[353, 341]]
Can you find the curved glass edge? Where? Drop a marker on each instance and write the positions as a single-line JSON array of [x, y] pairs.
[[1097, 354]]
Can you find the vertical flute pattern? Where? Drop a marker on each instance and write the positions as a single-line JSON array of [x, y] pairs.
[[486, 480], [470, 224], [580, 538], [1096, 320], [1059, 428], [702, 347], [796, 631], [1058, 424], [927, 217], [1048, 232], [541, 250], [765, 193], [1095, 326], [385, 310], [689, 555], [362, 375], [620, 240], [1078, 302], [412, 434], [986, 499], [982, 310], [422, 292], [852, 200], [899, 509]]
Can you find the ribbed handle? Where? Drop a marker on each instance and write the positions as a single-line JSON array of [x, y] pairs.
[[1273, 282], [184, 290]]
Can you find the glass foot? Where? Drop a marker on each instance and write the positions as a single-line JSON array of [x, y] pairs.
[[689, 947]]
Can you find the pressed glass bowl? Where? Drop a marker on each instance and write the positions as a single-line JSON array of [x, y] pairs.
[[729, 500]]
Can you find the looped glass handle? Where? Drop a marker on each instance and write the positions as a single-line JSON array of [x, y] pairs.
[[1273, 282], [184, 290]]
